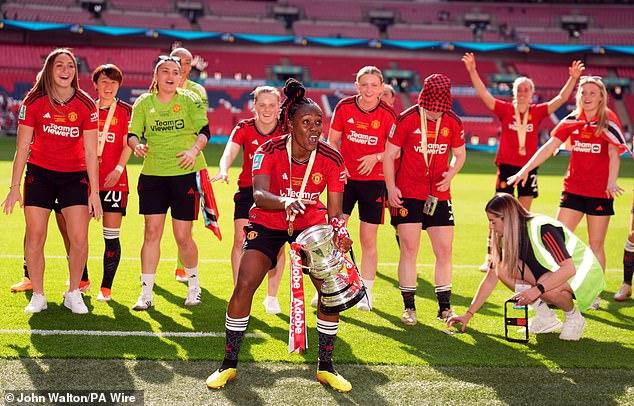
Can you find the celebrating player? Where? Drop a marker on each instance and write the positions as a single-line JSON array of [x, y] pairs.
[[250, 134], [174, 123], [57, 142], [362, 123], [113, 152], [289, 174], [590, 182], [186, 67], [520, 121], [419, 194]]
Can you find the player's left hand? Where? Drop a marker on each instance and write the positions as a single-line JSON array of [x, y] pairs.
[[366, 164], [112, 178], [187, 159]]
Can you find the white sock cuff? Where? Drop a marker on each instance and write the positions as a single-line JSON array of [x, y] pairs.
[[191, 271], [327, 327], [111, 233], [368, 283], [443, 288], [236, 324], [148, 277], [629, 246], [406, 289]]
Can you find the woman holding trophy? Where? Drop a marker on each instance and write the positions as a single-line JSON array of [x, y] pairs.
[[289, 174]]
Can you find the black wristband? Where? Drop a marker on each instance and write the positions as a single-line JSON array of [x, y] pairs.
[[541, 288]]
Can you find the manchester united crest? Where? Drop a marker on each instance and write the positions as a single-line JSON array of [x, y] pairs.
[[252, 235], [402, 212], [444, 131], [376, 124], [72, 116], [317, 178], [176, 108]]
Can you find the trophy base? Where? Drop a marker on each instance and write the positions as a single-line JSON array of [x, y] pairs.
[[343, 300]]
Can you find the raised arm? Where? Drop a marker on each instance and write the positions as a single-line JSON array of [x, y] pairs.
[[470, 63], [575, 70]]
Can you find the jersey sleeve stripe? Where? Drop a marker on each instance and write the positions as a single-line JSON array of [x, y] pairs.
[[553, 247]]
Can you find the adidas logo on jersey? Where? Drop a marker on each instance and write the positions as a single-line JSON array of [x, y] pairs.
[[255, 142], [417, 131], [351, 120], [152, 110], [115, 205], [284, 176], [47, 115], [190, 191]]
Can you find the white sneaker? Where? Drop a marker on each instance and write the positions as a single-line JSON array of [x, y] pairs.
[[486, 264], [573, 327], [74, 301], [596, 304], [144, 303], [193, 296], [542, 325], [37, 303], [272, 305], [365, 304], [315, 301]]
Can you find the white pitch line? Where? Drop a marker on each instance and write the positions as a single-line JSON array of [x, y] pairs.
[[188, 334], [226, 261]]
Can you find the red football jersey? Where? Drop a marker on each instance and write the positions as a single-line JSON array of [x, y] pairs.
[[58, 131], [362, 133], [508, 150], [113, 144], [412, 177], [588, 170], [328, 171], [247, 135]]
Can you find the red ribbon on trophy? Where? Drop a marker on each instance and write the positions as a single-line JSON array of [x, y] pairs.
[[297, 337]]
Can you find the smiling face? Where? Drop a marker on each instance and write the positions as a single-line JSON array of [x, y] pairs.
[[63, 72], [306, 128], [590, 98], [106, 88], [496, 223], [523, 92], [168, 76], [267, 108], [370, 88]]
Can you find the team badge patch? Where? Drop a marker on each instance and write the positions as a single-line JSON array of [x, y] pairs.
[[376, 124], [176, 108], [317, 178], [22, 114], [257, 161], [444, 131], [402, 212], [252, 235], [72, 116]]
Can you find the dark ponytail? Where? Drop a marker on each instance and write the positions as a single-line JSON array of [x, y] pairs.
[[294, 92]]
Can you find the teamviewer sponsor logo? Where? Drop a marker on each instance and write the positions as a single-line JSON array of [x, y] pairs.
[[362, 139], [294, 194], [587, 147], [434, 149], [167, 125], [61, 130]]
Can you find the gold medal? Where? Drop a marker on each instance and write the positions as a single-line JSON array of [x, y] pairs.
[[290, 229]]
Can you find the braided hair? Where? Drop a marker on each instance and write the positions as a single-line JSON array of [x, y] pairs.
[[294, 92]]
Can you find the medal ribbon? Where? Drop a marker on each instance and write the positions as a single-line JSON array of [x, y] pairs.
[[309, 168], [521, 128], [423, 135], [101, 138]]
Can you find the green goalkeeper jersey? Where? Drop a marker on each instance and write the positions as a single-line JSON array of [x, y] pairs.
[[169, 128]]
